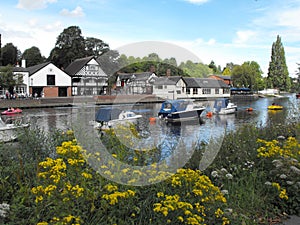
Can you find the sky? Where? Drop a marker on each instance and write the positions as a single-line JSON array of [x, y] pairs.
[[222, 31]]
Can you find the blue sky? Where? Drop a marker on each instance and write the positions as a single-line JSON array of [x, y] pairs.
[[220, 30]]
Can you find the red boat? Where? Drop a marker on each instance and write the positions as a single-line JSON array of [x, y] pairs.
[[298, 95], [12, 111]]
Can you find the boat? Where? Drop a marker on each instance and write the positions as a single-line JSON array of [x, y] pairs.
[[298, 95], [12, 111], [109, 117], [180, 110], [8, 132], [223, 106], [275, 107]]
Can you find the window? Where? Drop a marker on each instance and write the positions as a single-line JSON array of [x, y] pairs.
[[206, 91], [159, 87], [50, 79], [217, 91], [188, 91], [195, 91]]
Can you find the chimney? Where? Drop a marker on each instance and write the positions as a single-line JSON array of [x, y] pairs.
[[23, 63]]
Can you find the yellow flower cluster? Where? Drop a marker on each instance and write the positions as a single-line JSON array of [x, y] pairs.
[[56, 169], [282, 191], [67, 220], [270, 149], [197, 192], [114, 197]]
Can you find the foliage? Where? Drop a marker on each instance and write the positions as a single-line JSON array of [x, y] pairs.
[[248, 75], [47, 179], [284, 155], [278, 75], [32, 56], [10, 54], [8, 80], [68, 47], [215, 69], [195, 69]]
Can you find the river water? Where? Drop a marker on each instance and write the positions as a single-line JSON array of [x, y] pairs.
[[159, 132]]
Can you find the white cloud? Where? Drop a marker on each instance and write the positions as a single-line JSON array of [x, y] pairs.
[[244, 36], [198, 2], [36, 4], [77, 12]]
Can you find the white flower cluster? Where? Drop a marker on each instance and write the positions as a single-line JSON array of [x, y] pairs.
[[4, 209]]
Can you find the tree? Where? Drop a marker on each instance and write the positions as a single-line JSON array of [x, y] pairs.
[[33, 56], [70, 45], [95, 46], [278, 75], [248, 75], [10, 54], [226, 71], [8, 80]]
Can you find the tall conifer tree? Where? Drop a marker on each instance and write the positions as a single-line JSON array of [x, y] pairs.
[[278, 75]]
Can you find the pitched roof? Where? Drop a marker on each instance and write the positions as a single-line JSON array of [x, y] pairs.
[[34, 69], [138, 76], [171, 80], [204, 83], [77, 65]]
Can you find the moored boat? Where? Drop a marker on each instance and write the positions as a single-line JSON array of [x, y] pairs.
[[8, 132], [12, 111], [275, 107], [223, 106], [180, 110], [109, 117]]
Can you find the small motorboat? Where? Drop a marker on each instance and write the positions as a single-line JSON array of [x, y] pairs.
[[8, 132], [109, 117], [223, 106], [275, 107], [12, 111], [180, 110]]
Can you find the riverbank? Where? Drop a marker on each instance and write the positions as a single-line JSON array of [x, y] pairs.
[[75, 100]]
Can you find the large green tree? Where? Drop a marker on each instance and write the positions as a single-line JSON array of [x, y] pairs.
[[70, 45], [33, 56], [249, 74], [278, 75], [95, 46], [10, 54]]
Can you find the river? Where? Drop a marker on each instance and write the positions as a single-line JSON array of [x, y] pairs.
[[157, 132]]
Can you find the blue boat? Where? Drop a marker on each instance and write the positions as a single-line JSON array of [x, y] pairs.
[[180, 110], [109, 117]]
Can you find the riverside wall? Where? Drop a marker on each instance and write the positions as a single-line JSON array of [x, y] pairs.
[[77, 100]]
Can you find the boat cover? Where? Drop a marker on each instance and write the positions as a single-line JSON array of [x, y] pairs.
[[221, 103], [176, 105], [108, 113]]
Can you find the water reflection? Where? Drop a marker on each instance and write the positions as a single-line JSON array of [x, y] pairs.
[[160, 133]]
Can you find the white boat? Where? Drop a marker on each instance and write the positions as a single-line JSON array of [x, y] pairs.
[[9, 132], [180, 110], [110, 117], [223, 106]]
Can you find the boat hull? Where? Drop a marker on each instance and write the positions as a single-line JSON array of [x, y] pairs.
[[225, 111], [13, 112], [275, 107], [182, 116]]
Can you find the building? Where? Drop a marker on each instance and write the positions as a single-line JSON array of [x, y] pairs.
[[135, 83], [226, 79], [188, 87], [47, 80], [169, 87], [87, 77]]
